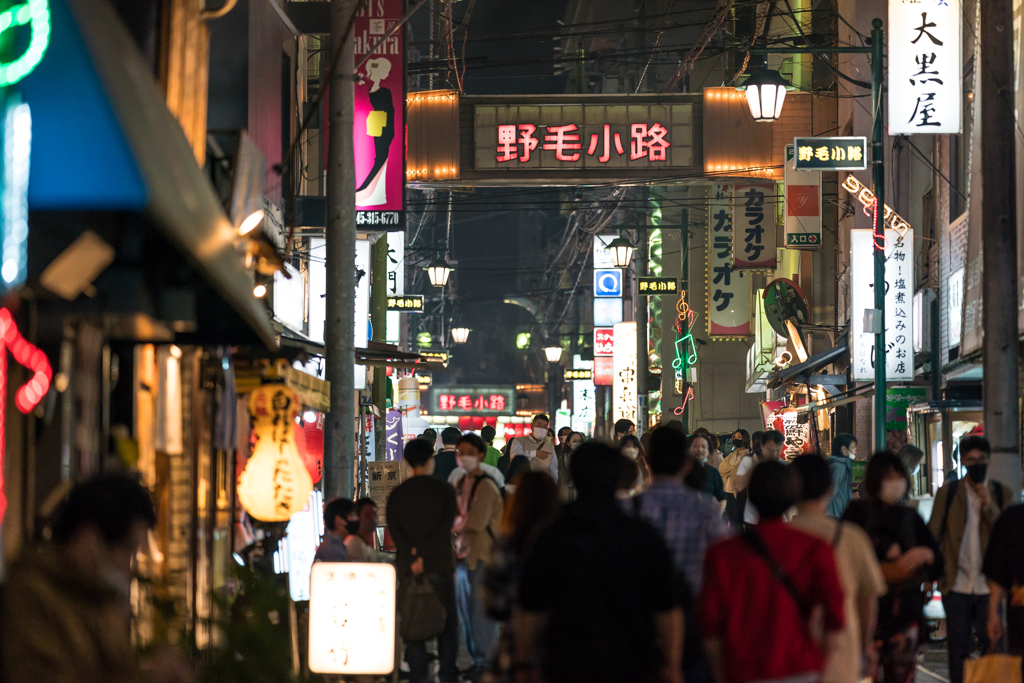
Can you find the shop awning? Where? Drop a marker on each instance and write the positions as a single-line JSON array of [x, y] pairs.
[[104, 141], [801, 372]]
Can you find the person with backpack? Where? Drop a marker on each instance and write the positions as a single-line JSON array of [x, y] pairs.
[[854, 657], [909, 557], [481, 504], [761, 588], [964, 513]]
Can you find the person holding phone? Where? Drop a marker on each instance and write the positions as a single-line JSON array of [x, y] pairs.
[[538, 446]]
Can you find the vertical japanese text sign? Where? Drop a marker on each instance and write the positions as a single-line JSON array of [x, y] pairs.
[[924, 66], [624, 386], [379, 130], [803, 206], [754, 226], [899, 295], [728, 290]]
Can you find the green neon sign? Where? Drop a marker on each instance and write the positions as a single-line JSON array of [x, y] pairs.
[[34, 13], [686, 350]]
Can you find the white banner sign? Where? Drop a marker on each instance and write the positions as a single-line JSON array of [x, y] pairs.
[[584, 405], [754, 226], [624, 368], [362, 319], [925, 67], [728, 289], [396, 283], [899, 296]]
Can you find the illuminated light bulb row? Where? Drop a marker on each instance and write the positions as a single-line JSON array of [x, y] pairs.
[[766, 172], [726, 95], [429, 98], [440, 171]]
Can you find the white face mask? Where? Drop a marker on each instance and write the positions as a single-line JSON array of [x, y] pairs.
[[470, 463], [510, 488], [539, 433], [893, 490], [631, 453], [574, 445]]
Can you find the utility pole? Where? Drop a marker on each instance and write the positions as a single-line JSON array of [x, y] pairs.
[[878, 228], [339, 430], [378, 321], [640, 316], [999, 284]]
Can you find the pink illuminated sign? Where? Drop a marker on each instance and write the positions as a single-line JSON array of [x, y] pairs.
[[519, 142]]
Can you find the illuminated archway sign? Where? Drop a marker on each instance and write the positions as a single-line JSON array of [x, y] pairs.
[[29, 394]]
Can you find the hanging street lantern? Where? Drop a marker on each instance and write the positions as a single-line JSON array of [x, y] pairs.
[[438, 272], [766, 91], [460, 334], [553, 353], [622, 252]]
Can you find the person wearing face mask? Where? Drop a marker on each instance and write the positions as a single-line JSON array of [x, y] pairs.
[[631, 447], [771, 451], [421, 512], [479, 522], [840, 464], [566, 489], [538, 446], [703, 477], [909, 556], [361, 541], [65, 613], [340, 520], [963, 516], [727, 469]]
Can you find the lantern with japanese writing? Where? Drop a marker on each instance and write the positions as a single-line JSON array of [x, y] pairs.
[[275, 484]]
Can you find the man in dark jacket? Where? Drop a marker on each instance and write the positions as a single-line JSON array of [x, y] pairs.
[[421, 513], [840, 463], [445, 459]]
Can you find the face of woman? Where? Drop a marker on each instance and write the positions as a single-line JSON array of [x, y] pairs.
[[575, 442]]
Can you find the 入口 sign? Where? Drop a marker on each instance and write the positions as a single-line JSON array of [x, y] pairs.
[[925, 69], [803, 206], [831, 154], [899, 294]]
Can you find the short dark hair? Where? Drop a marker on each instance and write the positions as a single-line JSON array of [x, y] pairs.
[[973, 442], [339, 507], [744, 436], [773, 489], [842, 441], [516, 466], [474, 441], [564, 428], [773, 435], [879, 466], [622, 426], [815, 476], [363, 502], [675, 424], [595, 468], [111, 502], [450, 436], [540, 416], [755, 440], [701, 431], [487, 433], [668, 451], [430, 434], [418, 452]]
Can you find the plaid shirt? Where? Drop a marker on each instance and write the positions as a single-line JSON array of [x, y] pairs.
[[687, 520]]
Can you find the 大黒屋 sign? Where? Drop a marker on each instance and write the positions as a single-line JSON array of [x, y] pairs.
[[754, 226], [831, 154], [925, 81], [803, 206], [899, 296], [728, 290]]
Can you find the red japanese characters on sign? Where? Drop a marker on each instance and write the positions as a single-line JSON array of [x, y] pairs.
[[472, 401], [647, 141], [604, 341]]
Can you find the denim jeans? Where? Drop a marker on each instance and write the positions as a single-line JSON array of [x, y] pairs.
[[964, 614], [480, 631], [447, 642]]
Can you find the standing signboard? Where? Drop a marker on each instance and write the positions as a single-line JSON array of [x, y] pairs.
[[754, 226], [899, 290], [728, 293], [384, 478], [803, 206], [925, 67]]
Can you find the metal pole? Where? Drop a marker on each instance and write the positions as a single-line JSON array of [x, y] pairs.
[[339, 430], [642, 314], [999, 243], [378, 321], [878, 227]]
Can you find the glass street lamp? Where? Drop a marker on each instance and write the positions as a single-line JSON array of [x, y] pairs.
[[766, 91], [460, 335], [438, 272], [553, 353], [622, 252]]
